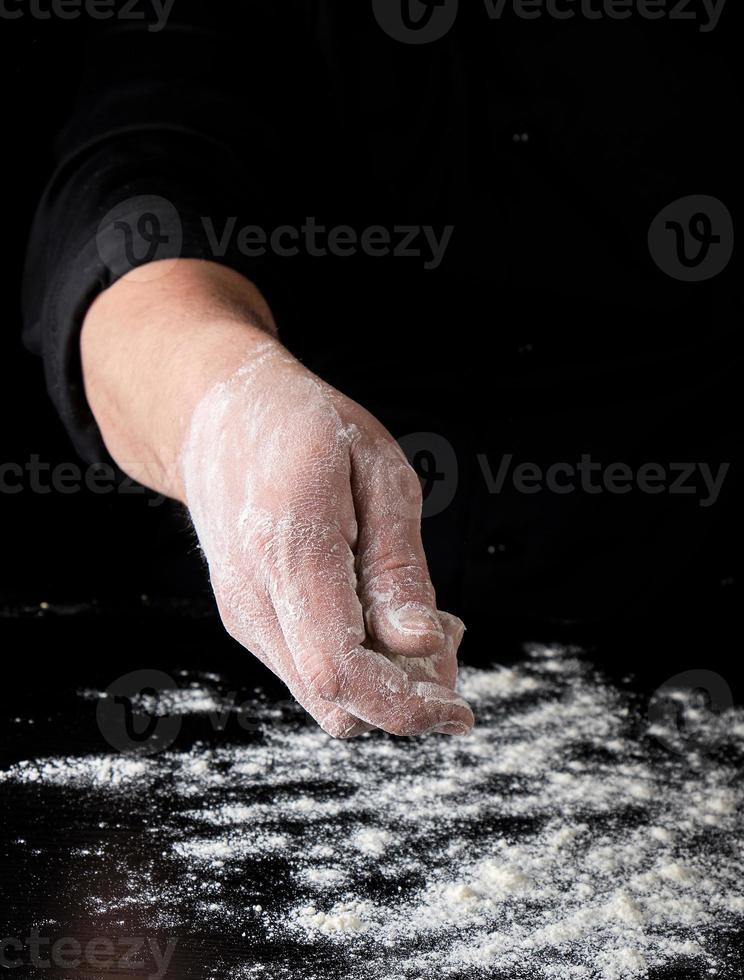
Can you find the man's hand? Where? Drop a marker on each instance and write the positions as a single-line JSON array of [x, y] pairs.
[[306, 509]]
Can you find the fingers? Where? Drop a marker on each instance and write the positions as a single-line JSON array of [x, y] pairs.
[[273, 652], [312, 589], [311, 585], [382, 694], [393, 578], [440, 667], [334, 720]]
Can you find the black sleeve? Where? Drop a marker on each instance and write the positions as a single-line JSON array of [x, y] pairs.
[[169, 127]]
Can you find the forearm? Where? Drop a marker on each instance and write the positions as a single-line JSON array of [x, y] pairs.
[[151, 349]]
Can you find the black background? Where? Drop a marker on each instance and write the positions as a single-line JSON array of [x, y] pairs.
[[125, 584], [95, 557]]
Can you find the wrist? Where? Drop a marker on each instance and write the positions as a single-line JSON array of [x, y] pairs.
[[151, 350]]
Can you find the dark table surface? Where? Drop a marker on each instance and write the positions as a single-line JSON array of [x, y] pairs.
[[87, 864]]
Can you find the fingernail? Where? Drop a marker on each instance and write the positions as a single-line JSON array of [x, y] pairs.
[[417, 619], [452, 728]]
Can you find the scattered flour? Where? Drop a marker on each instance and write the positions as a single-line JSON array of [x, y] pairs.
[[322, 877], [343, 919], [193, 699], [110, 771], [372, 841], [561, 840]]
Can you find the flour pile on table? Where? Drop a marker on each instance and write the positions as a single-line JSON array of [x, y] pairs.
[[566, 838]]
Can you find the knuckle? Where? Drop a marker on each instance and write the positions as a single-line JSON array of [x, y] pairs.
[[324, 681], [397, 480], [405, 495], [388, 565], [393, 580], [411, 485]]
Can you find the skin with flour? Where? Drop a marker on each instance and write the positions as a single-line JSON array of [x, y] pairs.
[[306, 509]]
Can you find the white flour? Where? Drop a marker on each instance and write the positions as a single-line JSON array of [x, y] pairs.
[[193, 699], [559, 840]]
